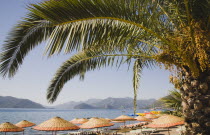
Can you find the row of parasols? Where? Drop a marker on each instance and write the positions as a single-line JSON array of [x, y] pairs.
[[59, 124]]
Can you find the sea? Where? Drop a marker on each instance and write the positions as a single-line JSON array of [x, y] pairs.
[[38, 116]]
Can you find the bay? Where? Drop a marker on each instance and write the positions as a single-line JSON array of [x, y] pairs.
[[38, 116]]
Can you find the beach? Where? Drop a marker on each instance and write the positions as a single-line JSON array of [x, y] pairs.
[[38, 116], [160, 131]]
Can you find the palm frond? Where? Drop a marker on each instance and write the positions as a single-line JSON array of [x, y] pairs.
[[77, 25], [200, 10], [71, 10], [110, 34], [81, 63], [78, 64], [114, 21], [138, 66], [173, 100], [23, 38], [137, 69]]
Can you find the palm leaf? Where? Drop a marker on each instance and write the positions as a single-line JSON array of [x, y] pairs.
[[81, 63], [23, 38], [137, 69], [112, 35], [85, 22], [77, 25], [173, 100]]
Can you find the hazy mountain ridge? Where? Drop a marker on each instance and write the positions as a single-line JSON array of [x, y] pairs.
[[108, 103], [84, 106], [12, 102], [68, 105]]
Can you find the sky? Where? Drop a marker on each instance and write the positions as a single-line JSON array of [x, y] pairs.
[[34, 75]]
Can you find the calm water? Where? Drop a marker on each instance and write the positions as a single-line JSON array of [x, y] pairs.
[[40, 115]]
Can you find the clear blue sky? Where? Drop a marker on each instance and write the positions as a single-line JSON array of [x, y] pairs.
[[34, 76]]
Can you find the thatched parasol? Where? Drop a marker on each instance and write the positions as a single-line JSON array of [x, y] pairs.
[[96, 123], [142, 118], [118, 121], [9, 127], [123, 118], [25, 123], [93, 118], [151, 116], [166, 121], [108, 119], [74, 120], [159, 115], [79, 121], [105, 119], [56, 124]]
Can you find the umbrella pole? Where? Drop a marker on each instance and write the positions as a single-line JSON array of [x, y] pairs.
[[168, 131]]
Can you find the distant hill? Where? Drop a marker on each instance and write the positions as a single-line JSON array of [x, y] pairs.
[[84, 106], [108, 103], [12, 102], [72, 104], [68, 105], [157, 104], [120, 103]]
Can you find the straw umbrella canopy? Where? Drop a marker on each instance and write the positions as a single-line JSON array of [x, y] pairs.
[[151, 116], [79, 121], [159, 115], [56, 124], [166, 121], [118, 121], [142, 118], [74, 120], [82, 120], [124, 118], [106, 119], [93, 118], [25, 123], [9, 127], [95, 123]]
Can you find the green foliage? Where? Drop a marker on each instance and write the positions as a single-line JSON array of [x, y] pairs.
[[89, 60], [137, 69], [173, 101], [24, 37], [112, 32]]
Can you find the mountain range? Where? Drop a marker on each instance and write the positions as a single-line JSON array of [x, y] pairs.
[[12, 102], [108, 103]]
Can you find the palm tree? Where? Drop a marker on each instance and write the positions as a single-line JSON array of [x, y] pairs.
[[173, 100], [88, 60], [104, 30]]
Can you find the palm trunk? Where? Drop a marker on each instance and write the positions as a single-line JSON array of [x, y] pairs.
[[196, 102]]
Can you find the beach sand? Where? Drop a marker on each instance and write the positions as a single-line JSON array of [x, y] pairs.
[[159, 132], [165, 132]]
